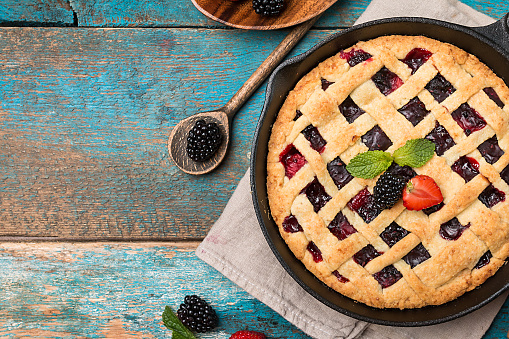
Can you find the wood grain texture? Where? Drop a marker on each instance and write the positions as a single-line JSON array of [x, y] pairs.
[[85, 117], [36, 13], [108, 290], [240, 14]]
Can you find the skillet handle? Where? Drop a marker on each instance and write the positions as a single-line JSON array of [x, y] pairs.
[[497, 32]]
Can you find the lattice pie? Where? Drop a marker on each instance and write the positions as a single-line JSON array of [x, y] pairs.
[[377, 95]]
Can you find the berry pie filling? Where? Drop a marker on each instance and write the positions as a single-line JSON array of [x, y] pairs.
[[490, 150], [364, 204], [340, 227], [491, 196], [316, 194], [416, 58], [376, 140], [292, 160], [365, 255], [493, 96], [326, 83], [338, 173], [466, 167], [388, 276], [350, 110], [315, 252], [414, 111], [341, 278], [441, 138], [387, 81], [350, 163], [355, 56], [291, 225], [468, 119], [440, 88], [393, 233], [315, 138], [452, 229], [417, 256]]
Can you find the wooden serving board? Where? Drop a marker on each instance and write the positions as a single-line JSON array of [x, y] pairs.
[[240, 14]]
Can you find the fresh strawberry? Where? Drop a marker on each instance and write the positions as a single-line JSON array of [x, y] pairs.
[[248, 335], [421, 192]]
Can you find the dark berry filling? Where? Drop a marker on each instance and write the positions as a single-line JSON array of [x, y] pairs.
[[441, 138], [493, 96], [468, 119], [340, 227], [376, 140], [417, 256], [350, 110], [326, 83], [291, 225], [466, 167], [416, 58], [363, 204], [440, 88], [292, 160], [298, 114], [414, 111], [505, 174], [388, 276], [315, 138], [393, 233], [405, 172], [365, 255], [386, 81], [452, 229], [433, 209], [316, 194], [484, 260], [338, 172], [341, 278], [491, 196], [355, 56], [315, 252], [490, 150]]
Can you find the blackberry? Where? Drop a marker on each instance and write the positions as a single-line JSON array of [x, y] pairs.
[[196, 314], [388, 190], [203, 140], [268, 7]]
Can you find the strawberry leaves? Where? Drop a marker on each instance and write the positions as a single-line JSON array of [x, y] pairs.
[[415, 153]]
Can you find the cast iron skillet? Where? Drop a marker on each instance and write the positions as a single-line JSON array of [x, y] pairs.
[[489, 43]]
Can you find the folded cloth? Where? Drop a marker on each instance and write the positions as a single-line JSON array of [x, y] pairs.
[[236, 247]]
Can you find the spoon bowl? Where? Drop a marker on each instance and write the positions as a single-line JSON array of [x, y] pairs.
[[177, 142], [223, 117]]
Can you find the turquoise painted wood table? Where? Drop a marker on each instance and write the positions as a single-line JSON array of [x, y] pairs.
[[97, 227]]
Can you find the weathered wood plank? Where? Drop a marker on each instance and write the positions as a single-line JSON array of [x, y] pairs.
[[36, 13], [110, 290], [85, 117], [145, 13]]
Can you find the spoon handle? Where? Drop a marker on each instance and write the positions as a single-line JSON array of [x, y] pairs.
[[266, 68]]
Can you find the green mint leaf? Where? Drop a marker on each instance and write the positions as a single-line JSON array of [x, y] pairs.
[[172, 322], [368, 165], [414, 153]]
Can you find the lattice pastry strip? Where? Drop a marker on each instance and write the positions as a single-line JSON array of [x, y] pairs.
[[376, 96]]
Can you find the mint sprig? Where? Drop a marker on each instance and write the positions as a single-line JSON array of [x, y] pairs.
[[369, 164], [173, 323], [415, 153]]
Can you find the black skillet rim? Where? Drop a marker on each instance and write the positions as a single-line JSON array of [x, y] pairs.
[[253, 173]]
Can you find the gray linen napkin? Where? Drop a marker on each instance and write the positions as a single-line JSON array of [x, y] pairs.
[[235, 245]]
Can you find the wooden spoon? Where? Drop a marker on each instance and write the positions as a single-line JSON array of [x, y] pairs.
[[223, 116], [240, 14]]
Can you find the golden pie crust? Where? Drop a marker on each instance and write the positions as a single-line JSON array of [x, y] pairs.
[[453, 266]]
